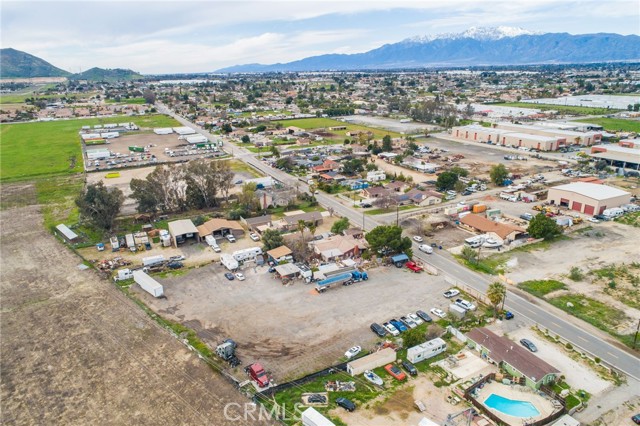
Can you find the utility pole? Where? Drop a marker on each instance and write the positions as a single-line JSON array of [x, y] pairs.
[[635, 337], [397, 214]]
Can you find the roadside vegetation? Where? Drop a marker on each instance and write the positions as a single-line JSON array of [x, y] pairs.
[[630, 218]]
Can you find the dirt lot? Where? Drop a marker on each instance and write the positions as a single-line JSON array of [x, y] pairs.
[[293, 330], [588, 251], [76, 351]]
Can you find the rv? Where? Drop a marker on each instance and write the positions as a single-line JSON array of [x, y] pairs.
[[229, 262], [613, 213], [246, 254], [474, 242]]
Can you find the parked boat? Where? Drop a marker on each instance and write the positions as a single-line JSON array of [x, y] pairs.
[[373, 378]]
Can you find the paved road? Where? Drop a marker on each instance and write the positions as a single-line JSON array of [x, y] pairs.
[[443, 261]]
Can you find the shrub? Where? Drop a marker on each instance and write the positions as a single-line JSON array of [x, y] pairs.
[[597, 360], [569, 346], [576, 274]]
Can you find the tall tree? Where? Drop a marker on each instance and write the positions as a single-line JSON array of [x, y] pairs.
[[498, 174], [388, 239], [386, 144], [340, 225], [271, 238], [496, 294], [542, 226], [446, 181], [100, 205]]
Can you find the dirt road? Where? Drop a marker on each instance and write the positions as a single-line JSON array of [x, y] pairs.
[[74, 350]]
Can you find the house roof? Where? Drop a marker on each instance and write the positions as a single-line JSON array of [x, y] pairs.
[[217, 224], [338, 245], [307, 217], [485, 225], [260, 220], [502, 349], [592, 190], [373, 190], [279, 252], [181, 227]]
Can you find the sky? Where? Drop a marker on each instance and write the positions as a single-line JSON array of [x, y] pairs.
[[157, 37]]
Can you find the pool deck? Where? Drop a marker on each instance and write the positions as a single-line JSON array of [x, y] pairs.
[[520, 393]]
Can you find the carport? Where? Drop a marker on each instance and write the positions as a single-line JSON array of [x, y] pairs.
[[288, 271], [181, 230]]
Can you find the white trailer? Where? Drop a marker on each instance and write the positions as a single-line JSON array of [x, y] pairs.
[[110, 135], [123, 274], [148, 284], [196, 139], [246, 254], [163, 131], [98, 154], [152, 260], [183, 131], [311, 417], [229, 262], [211, 241], [426, 350], [165, 238], [131, 243]]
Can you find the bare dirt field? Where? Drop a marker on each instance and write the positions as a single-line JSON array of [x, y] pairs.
[[75, 350], [292, 329]]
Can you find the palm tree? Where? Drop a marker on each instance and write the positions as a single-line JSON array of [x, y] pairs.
[[301, 227], [496, 294], [312, 228]]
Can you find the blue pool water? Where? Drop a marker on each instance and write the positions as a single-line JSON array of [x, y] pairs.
[[511, 407]]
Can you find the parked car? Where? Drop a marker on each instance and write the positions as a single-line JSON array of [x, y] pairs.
[[417, 238], [378, 329], [231, 238], [397, 324], [346, 404], [600, 217], [526, 216], [391, 329], [451, 293], [413, 317], [240, 276], [395, 372], [229, 276], [175, 264], [352, 352], [366, 205], [593, 220], [254, 236], [411, 369], [529, 345], [424, 316], [465, 304], [408, 322], [425, 248], [438, 312], [636, 419], [257, 373], [508, 315]]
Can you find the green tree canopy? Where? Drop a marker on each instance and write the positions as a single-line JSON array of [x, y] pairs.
[[388, 239], [271, 238], [245, 139], [386, 144], [100, 205], [446, 181], [340, 225], [498, 174], [496, 294], [542, 226]]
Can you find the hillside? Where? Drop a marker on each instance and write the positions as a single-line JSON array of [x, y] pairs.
[[17, 64], [474, 47], [101, 74]]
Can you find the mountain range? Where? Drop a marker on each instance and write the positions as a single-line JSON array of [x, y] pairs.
[[478, 46], [17, 64]]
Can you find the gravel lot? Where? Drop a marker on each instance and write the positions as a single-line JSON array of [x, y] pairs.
[[292, 329], [75, 351]]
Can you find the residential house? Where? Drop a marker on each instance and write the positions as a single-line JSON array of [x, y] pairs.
[[327, 166], [398, 186], [257, 224], [375, 192], [339, 247], [512, 358], [503, 231], [291, 220], [220, 228], [376, 175], [275, 197], [424, 198]]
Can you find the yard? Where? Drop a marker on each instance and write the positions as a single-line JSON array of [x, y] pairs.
[[325, 123], [615, 124], [565, 109]]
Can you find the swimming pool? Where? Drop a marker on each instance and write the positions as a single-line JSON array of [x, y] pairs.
[[511, 407]]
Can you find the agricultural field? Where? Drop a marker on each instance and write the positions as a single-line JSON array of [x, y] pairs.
[[615, 124], [566, 109], [52, 148], [322, 123], [124, 101]]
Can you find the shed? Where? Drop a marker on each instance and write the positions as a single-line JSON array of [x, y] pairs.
[[67, 233], [182, 229], [457, 311], [311, 417], [279, 254], [369, 362], [288, 270], [399, 259]]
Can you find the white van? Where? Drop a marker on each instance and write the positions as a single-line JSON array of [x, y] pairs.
[[613, 213]]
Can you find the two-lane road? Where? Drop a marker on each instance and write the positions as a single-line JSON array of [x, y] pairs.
[[539, 313]]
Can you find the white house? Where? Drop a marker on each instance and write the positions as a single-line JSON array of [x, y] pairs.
[[376, 176]]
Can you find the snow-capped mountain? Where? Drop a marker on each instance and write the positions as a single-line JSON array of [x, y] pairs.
[[476, 46], [477, 33]]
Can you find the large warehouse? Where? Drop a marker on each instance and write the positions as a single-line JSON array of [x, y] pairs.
[[626, 154], [478, 133], [588, 198]]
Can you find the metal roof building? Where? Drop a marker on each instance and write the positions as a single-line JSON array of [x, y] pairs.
[[588, 198]]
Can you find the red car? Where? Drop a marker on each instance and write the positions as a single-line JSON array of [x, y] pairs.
[[413, 266], [257, 373], [395, 372]]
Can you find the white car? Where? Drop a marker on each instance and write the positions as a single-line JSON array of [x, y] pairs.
[[352, 352], [426, 248], [231, 238], [418, 239], [465, 304], [415, 318], [391, 329], [593, 220], [240, 276], [438, 312], [491, 243], [451, 292], [254, 236]]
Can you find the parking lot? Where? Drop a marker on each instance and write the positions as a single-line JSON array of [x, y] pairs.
[[292, 329]]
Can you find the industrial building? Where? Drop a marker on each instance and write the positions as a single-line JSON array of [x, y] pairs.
[[588, 198], [182, 229], [571, 137], [626, 154]]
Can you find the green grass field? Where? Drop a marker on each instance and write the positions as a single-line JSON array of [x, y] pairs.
[[319, 123], [567, 109], [124, 101], [30, 150], [615, 124]]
